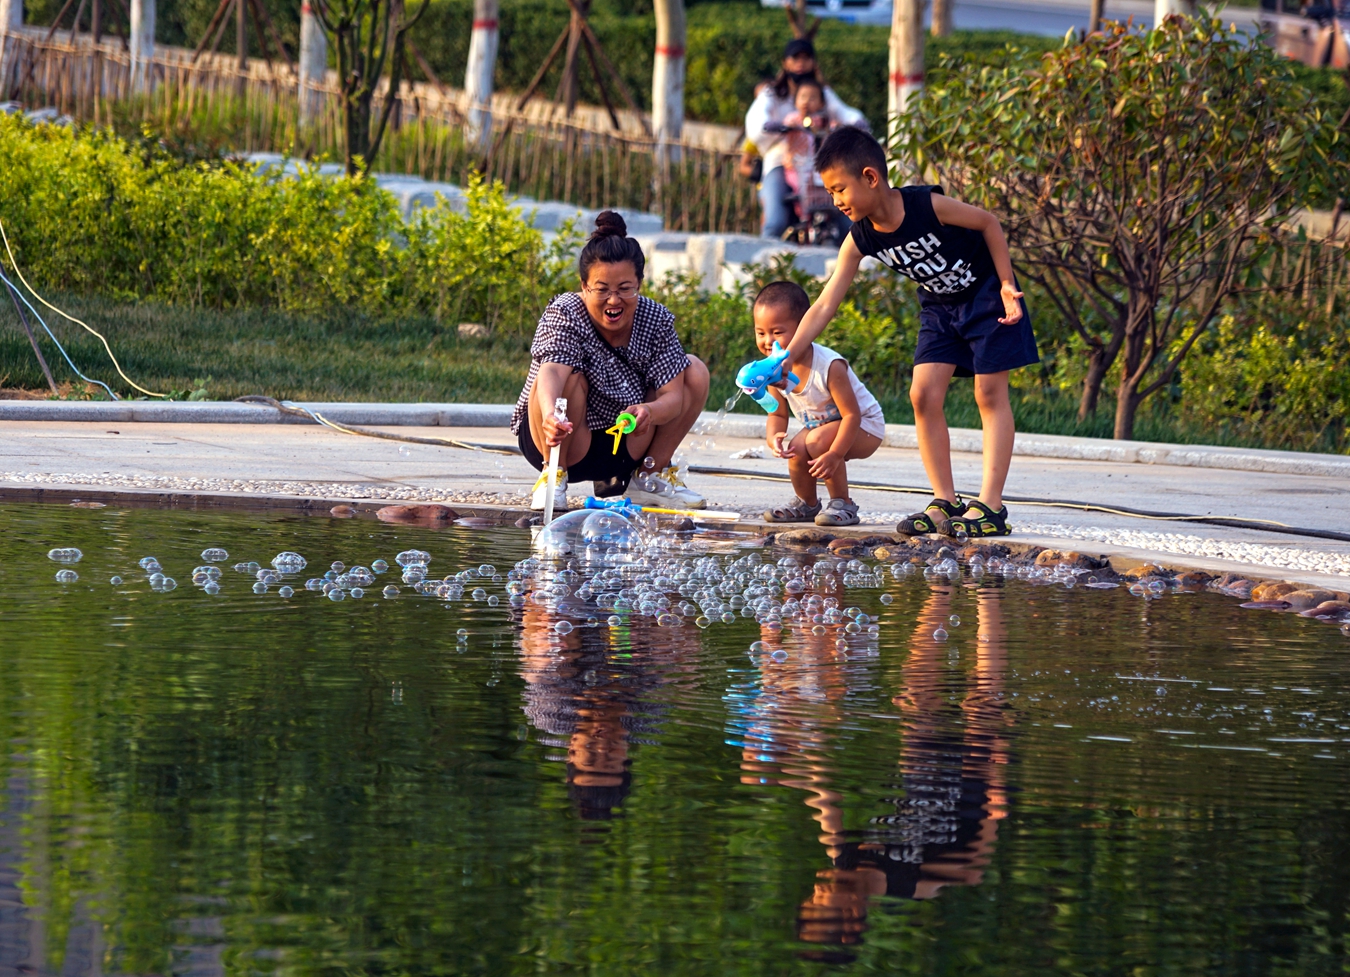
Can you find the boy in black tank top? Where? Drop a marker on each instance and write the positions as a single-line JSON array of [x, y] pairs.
[[972, 321]]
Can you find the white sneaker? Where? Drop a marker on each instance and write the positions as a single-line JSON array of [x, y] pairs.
[[665, 489], [540, 495]]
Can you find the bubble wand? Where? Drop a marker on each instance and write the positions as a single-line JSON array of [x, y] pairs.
[[559, 412], [625, 423]]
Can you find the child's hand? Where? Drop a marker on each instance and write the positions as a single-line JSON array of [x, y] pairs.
[[780, 449], [1012, 308], [825, 466]]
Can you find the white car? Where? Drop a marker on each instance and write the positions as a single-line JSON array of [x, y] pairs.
[[874, 12]]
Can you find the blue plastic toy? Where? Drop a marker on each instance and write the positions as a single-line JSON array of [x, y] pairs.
[[755, 378]]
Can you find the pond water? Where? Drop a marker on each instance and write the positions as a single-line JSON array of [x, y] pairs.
[[1074, 781]]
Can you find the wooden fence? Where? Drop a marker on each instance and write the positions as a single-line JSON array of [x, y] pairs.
[[538, 152]]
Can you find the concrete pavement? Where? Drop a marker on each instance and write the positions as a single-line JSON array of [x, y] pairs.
[[261, 461]]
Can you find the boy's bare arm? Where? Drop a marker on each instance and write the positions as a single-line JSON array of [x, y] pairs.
[[956, 214], [822, 311], [850, 421]]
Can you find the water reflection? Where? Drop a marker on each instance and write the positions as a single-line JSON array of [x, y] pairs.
[[954, 751], [591, 692]]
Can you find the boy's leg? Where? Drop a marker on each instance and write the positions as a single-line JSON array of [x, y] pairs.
[[799, 469], [576, 444], [820, 439], [927, 392], [996, 417]]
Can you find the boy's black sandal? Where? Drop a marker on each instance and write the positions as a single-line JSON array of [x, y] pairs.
[[935, 518], [989, 523]]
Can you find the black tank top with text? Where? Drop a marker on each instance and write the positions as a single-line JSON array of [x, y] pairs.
[[949, 264]]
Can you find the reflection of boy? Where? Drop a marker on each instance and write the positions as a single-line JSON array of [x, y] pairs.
[[952, 786], [972, 322], [843, 421]]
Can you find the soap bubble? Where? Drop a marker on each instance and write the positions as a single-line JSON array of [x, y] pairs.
[[494, 600], [479, 593], [66, 576], [615, 621], [289, 562], [563, 627], [116, 581], [462, 633], [940, 634], [757, 646], [260, 587], [887, 598], [955, 620], [703, 622], [211, 588], [156, 579], [337, 566], [779, 656], [65, 554], [357, 593], [379, 566], [337, 594], [214, 554], [147, 561], [390, 591], [285, 592], [486, 570], [413, 558]]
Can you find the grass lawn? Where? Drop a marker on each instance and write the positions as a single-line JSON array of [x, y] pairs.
[[254, 351]]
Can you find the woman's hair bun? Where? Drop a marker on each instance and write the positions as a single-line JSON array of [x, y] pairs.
[[609, 224]]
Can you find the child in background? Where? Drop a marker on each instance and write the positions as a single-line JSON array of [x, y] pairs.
[[972, 320], [807, 118], [842, 419]]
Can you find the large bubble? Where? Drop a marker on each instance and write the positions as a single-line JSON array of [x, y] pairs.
[[590, 534], [65, 554], [214, 554], [413, 558], [289, 562]]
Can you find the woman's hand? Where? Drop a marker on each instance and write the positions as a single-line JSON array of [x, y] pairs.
[[556, 429], [644, 418], [777, 446], [825, 466]]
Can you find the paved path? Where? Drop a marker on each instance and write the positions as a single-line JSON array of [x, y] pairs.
[[299, 460]]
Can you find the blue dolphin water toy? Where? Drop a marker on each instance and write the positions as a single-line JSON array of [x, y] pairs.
[[754, 378]]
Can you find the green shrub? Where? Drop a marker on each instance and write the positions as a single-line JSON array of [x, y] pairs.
[[90, 213]]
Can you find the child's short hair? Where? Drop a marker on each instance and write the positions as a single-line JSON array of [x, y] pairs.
[[850, 149], [784, 295]]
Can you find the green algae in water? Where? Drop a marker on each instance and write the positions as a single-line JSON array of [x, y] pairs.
[[1072, 782]]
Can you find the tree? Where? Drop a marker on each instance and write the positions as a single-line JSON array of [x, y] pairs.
[[1138, 174], [368, 35]]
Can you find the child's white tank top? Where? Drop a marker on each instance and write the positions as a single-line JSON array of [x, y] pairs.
[[814, 405]]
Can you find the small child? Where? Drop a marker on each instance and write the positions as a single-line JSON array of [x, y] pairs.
[[972, 320], [806, 123], [843, 420]]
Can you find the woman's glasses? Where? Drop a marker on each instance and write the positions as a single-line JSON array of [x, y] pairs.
[[623, 291]]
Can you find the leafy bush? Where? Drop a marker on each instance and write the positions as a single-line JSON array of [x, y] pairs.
[[89, 213], [1140, 175], [1286, 384]]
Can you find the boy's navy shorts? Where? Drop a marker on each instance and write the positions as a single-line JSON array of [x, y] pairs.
[[969, 335], [600, 464]]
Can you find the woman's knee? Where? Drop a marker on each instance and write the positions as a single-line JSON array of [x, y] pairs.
[[697, 380]]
